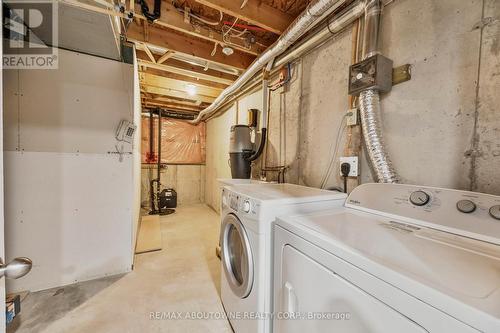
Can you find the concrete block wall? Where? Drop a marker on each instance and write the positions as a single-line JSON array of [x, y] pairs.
[[441, 128]]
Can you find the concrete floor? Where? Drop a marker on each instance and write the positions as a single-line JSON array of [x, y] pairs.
[[183, 277]]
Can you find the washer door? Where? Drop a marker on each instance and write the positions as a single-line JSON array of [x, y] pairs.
[[236, 256]]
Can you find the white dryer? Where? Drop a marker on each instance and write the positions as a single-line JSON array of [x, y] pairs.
[[397, 258], [248, 212]]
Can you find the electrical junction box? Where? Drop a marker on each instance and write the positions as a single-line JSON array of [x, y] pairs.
[[352, 117], [353, 161], [374, 72]]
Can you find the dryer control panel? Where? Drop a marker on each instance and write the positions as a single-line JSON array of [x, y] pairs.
[[471, 214]]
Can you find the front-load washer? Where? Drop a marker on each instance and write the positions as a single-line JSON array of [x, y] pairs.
[[396, 258], [231, 182], [248, 212]]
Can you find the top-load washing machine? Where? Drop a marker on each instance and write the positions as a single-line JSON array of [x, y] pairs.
[[248, 212], [397, 258]]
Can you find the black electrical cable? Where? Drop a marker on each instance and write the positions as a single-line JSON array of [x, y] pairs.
[[345, 168], [261, 146], [156, 11]]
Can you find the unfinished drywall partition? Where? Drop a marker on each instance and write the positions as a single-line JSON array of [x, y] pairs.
[[136, 153], [429, 122], [69, 198]]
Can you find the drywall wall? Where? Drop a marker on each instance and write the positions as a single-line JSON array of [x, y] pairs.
[[69, 199], [441, 127], [136, 153], [187, 180], [218, 130]]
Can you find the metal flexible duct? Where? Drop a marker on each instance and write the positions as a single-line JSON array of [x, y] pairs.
[[369, 105], [312, 14], [369, 101]]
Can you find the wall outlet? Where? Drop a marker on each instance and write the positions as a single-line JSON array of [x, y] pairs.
[[352, 117], [353, 161]]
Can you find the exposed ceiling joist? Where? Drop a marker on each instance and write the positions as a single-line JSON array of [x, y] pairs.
[[190, 47], [181, 68], [161, 98], [184, 78], [163, 82], [172, 19], [175, 93], [253, 12], [170, 106]]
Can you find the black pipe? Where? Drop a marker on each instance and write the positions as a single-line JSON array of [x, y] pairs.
[[261, 146], [151, 154], [151, 149], [156, 11], [158, 173]]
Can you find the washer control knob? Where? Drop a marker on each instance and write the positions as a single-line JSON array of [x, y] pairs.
[[466, 206], [419, 198], [495, 212], [246, 206]]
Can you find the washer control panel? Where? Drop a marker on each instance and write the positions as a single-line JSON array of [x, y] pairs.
[[239, 203], [472, 214]]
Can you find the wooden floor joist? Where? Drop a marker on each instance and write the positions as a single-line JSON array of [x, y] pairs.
[[189, 47], [184, 78], [176, 93], [171, 18], [163, 82], [254, 12], [182, 68]]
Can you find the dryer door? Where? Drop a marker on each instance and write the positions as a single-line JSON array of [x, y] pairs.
[[236, 256], [316, 299]]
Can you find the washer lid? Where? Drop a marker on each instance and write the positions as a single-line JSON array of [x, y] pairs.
[[459, 275], [285, 193]]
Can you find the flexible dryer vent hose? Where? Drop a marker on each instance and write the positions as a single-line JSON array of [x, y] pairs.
[[369, 105], [369, 101]]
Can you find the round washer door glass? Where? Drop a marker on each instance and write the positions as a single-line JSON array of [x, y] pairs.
[[237, 256]]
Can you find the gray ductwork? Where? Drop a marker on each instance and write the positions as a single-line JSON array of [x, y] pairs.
[[369, 101], [313, 14]]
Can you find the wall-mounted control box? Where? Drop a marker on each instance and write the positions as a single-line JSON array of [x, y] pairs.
[[374, 72]]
